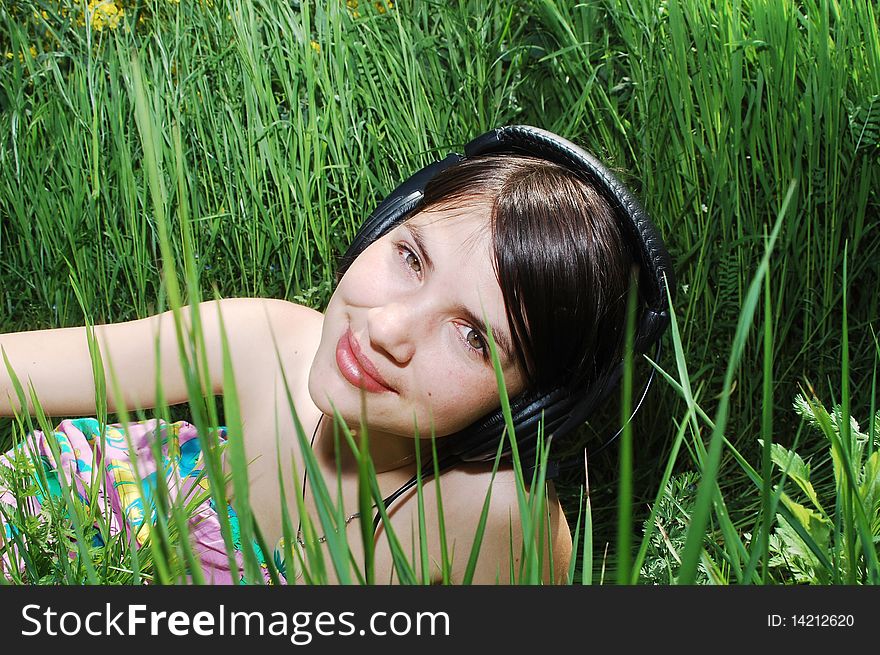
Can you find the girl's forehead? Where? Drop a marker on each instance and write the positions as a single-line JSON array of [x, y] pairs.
[[466, 225]]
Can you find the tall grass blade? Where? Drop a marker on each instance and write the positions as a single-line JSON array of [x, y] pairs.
[[706, 489]]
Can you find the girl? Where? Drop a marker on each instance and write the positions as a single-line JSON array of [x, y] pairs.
[[527, 236]]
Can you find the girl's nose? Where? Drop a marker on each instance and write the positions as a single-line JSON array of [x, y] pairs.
[[391, 331]]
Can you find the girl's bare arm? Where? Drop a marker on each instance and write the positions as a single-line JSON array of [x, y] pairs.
[[59, 366]]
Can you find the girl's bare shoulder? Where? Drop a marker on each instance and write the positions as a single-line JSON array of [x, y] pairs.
[[294, 314], [285, 322], [470, 485], [302, 326], [466, 488], [269, 335]]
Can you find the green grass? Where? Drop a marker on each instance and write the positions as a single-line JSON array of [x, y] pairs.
[[241, 152]]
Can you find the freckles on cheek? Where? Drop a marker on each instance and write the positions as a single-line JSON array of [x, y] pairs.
[[480, 392], [452, 391]]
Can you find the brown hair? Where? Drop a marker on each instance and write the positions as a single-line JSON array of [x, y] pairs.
[[560, 259]]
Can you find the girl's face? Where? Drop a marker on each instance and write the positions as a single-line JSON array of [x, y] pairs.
[[405, 329]]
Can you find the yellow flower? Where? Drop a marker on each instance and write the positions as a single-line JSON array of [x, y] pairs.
[[105, 13], [316, 46], [32, 50]]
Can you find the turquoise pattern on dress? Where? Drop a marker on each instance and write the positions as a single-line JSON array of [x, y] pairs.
[[128, 483]]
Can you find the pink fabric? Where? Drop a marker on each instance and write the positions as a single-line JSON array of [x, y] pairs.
[[121, 480]]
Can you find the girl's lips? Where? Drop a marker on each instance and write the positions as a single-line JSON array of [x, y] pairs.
[[356, 368]]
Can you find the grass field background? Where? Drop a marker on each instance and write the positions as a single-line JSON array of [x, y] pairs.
[[278, 126]]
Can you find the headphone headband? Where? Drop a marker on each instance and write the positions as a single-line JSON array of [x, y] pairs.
[[561, 409]]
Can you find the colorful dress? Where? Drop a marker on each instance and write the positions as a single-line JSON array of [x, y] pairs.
[[121, 473]]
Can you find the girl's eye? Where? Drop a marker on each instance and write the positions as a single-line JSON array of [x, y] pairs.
[[474, 339], [410, 259], [413, 262]]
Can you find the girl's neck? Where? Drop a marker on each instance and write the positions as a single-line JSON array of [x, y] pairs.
[[388, 451]]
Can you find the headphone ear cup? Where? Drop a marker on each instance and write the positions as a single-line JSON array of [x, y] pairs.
[[479, 442], [557, 412], [406, 198]]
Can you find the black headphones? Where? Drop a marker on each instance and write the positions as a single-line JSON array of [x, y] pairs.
[[561, 410]]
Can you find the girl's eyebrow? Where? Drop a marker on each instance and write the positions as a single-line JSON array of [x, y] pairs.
[[500, 337]]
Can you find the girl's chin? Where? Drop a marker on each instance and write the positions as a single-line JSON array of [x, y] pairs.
[[346, 401]]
